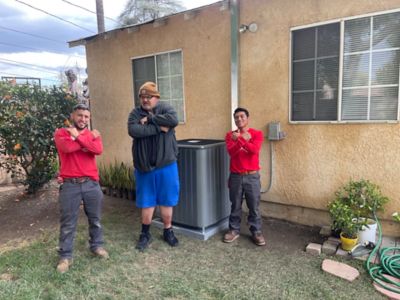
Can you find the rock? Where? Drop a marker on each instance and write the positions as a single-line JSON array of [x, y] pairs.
[[340, 269]]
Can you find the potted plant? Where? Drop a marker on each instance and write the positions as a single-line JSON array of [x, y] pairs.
[[344, 218], [364, 198]]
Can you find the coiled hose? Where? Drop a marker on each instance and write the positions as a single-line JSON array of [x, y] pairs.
[[389, 264]]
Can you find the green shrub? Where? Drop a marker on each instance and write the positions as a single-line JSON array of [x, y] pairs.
[[344, 219], [353, 203], [363, 197], [28, 118]]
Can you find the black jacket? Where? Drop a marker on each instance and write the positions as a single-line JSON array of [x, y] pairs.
[[153, 148]]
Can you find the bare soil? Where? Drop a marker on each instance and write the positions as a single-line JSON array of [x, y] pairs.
[[23, 218]]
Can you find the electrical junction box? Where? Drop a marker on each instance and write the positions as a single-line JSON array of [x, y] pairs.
[[274, 131]]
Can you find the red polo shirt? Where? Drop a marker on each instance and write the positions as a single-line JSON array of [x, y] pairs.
[[77, 156], [244, 154]]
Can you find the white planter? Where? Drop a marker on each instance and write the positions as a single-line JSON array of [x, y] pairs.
[[368, 234]]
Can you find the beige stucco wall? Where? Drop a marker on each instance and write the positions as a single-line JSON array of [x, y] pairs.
[[314, 159], [205, 43]]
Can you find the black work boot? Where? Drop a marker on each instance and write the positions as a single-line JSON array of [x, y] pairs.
[[170, 238], [144, 241]]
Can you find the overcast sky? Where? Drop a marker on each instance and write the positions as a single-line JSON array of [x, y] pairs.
[[34, 44]]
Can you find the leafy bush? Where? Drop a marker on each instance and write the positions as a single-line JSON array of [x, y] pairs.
[[353, 203], [344, 219], [363, 197], [28, 118]]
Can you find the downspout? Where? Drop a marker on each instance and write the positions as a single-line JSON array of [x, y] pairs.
[[234, 8], [235, 12]]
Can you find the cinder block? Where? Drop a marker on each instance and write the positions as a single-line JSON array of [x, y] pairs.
[[334, 240], [329, 248], [314, 249], [325, 231]]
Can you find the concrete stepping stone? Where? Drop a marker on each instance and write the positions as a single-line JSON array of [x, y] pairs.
[[340, 269]]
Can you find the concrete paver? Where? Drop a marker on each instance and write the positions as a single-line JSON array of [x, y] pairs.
[[340, 269]]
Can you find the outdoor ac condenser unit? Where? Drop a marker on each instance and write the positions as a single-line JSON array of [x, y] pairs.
[[203, 171]]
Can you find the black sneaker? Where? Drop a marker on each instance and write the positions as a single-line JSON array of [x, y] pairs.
[[144, 241], [170, 238]]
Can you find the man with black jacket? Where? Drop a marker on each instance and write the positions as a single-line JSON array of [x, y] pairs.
[[154, 149]]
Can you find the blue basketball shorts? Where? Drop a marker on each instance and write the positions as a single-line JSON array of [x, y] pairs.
[[157, 187]]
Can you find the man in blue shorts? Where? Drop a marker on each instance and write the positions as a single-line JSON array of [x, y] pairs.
[[155, 150]]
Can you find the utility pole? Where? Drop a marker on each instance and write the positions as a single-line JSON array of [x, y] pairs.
[[100, 16]]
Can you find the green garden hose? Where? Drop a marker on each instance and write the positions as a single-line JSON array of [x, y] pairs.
[[389, 264]]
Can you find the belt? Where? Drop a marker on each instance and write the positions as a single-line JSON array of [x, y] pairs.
[[77, 180], [246, 173]]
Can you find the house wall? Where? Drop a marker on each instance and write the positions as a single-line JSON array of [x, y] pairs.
[[205, 44], [314, 159]]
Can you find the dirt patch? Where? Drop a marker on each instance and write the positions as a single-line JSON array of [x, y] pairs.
[[25, 218]]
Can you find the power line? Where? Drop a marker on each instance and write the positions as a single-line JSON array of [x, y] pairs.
[[22, 64], [37, 49], [57, 17], [88, 10], [31, 34], [19, 75]]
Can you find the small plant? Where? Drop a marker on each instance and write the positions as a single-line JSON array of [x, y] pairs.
[[354, 203], [363, 197], [104, 174], [117, 176], [344, 219]]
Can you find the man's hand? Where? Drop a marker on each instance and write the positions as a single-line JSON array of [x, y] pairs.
[[235, 135], [95, 133], [164, 128], [143, 120], [246, 136], [73, 132]]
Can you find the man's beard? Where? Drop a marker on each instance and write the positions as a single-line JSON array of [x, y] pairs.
[[78, 127]]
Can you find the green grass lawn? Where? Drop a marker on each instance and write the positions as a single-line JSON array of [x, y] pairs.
[[194, 270]]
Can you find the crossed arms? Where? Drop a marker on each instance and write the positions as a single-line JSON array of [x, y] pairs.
[[70, 140], [235, 142], [140, 126]]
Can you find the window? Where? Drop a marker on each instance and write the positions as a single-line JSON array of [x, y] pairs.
[[368, 78], [166, 71]]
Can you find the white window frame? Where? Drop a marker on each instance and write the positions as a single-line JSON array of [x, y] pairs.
[[155, 66], [340, 85]]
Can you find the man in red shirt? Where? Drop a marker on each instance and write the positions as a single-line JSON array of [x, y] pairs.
[[244, 146], [77, 147]]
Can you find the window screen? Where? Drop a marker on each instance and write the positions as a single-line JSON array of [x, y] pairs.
[[370, 70]]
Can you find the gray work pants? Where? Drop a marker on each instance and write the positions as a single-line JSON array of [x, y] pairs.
[[249, 186], [70, 198]]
